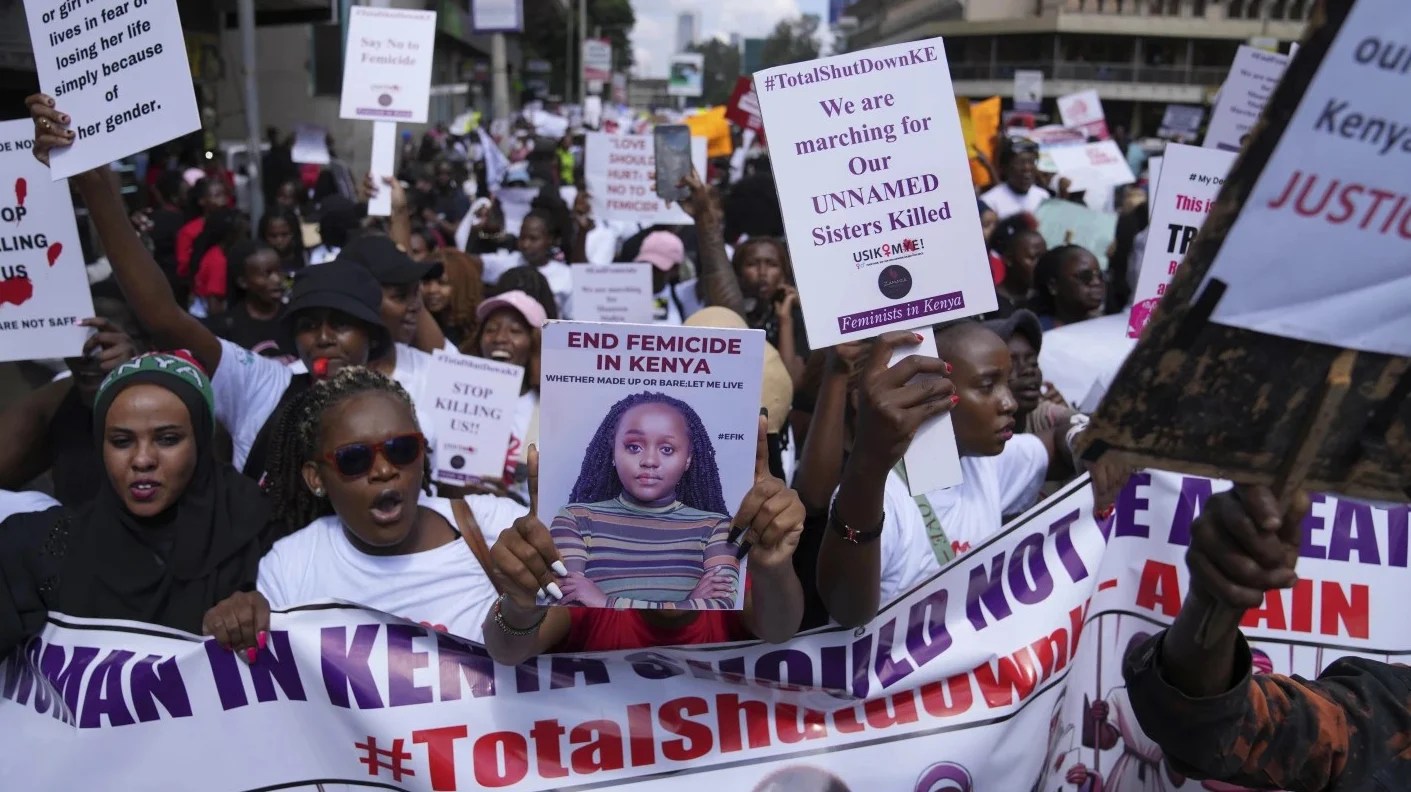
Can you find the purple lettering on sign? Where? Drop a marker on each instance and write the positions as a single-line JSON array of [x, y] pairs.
[[347, 666], [889, 670], [403, 661], [901, 312], [103, 695], [154, 681], [458, 659], [230, 686], [275, 665], [65, 672], [927, 636]]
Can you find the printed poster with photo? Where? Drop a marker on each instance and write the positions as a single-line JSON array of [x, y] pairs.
[[647, 449], [43, 283]]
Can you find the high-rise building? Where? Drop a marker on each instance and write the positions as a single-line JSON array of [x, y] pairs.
[[688, 29], [1139, 55]]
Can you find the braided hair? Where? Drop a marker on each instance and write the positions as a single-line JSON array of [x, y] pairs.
[[296, 441], [699, 487]]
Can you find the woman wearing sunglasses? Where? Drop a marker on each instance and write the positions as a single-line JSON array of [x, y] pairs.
[[349, 480], [1069, 286]]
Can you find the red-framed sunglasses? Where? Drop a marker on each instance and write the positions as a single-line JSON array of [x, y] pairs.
[[356, 459]]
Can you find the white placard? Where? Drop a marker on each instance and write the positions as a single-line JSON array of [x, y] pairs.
[[597, 60], [387, 64], [874, 185], [310, 145], [1083, 110], [613, 293], [497, 16], [1191, 179], [687, 77], [688, 400], [119, 70], [384, 164], [1092, 165], [1181, 123], [1247, 89], [1153, 179], [43, 284], [1028, 90], [1319, 251], [933, 458], [473, 404], [621, 170]]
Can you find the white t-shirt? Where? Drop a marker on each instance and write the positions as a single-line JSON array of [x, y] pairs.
[[668, 312], [413, 372], [994, 486], [907, 557], [247, 390], [24, 502], [444, 588], [1007, 203], [322, 254]]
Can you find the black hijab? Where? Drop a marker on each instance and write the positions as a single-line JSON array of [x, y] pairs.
[[103, 562]]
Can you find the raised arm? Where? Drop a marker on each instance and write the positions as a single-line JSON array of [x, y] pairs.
[[25, 454], [138, 274], [718, 284], [821, 462]]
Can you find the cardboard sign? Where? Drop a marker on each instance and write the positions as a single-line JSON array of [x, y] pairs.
[[387, 66], [743, 108], [874, 186], [621, 169], [1083, 110], [43, 284], [1028, 90], [613, 293], [1092, 166], [473, 404], [1191, 179], [647, 448], [1246, 91], [1181, 123], [597, 60], [1319, 251], [687, 76], [119, 70]]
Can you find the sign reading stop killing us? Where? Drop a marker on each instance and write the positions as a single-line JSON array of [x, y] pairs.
[[874, 183], [119, 70], [43, 284]]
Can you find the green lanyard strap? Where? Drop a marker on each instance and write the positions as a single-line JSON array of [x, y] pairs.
[[940, 543]]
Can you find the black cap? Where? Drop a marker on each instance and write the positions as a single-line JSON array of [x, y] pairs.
[[1022, 321], [339, 286], [387, 262]]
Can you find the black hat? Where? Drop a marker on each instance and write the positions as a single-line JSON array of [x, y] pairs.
[[387, 262], [339, 286], [1022, 321]]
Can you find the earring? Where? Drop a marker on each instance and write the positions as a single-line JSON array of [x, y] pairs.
[[318, 493]]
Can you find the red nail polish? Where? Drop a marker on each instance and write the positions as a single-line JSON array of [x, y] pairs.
[[917, 336], [1106, 512], [954, 400], [250, 654], [948, 368], [262, 639]]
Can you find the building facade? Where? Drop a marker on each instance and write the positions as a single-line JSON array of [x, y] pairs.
[[1139, 55]]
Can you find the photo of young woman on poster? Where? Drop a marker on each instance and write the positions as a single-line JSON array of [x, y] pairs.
[[646, 524]]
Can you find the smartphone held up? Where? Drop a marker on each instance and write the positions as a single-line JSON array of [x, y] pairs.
[[672, 152]]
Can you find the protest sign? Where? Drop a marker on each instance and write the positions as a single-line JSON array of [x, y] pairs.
[[1195, 395], [1091, 166], [620, 171], [1005, 647], [43, 283], [384, 165], [1181, 123], [1028, 90], [933, 459], [743, 108], [875, 190], [1064, 222], [472, 401], [1083, 110], [613, 293], [619, 88], [1153, 178], [1247, 89], [597, 60], [119, 70], [310, 145], [687, 75], [387, 66], [1193, 178], [497, 16], [648, 437]]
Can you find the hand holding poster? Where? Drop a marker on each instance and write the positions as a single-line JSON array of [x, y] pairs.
[[613, 293], [473, 403], [874, 186], [43, 284], [387, 67], [119, 70], [620, 174], [1192, 178], [648, 447], [1252, 79]]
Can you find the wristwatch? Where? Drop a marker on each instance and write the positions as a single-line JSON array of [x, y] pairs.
[[849, 533]]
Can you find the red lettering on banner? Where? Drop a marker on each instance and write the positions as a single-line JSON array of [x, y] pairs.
[[786, 720], [1159, 589], [1008, 679], [756, 714], [953, 697], [440, 754], [894, 710], [696, 738], [548, 758], [600, 748], [639, 729], [489, 772]]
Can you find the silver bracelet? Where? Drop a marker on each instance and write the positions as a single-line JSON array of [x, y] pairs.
[[509, 629]]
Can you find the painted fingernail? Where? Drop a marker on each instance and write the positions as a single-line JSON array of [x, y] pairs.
[[917, 336], [735, 532], [559, 569], [954, 400], [262, 639], [250, 655], [948, 368], [764, 412], [1105, 512], [744, 550], [555, 591], [541, 593]]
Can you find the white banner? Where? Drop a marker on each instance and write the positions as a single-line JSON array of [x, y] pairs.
[[964, 680], [620, 171]]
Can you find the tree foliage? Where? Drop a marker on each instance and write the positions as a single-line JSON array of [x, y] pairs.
[[546, 32], [721, 70], [792, 41]]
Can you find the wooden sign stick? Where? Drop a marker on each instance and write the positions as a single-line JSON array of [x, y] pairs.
[[1220, 619]]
